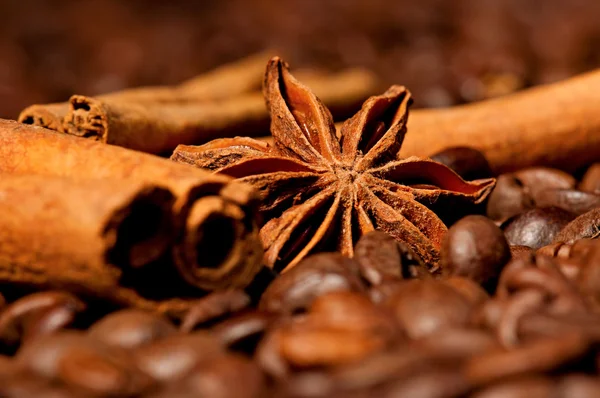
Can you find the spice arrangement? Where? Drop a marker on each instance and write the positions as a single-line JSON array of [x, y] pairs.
[[334, 258]]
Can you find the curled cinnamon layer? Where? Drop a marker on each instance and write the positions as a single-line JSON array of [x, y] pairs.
[[33, 150], [57, 231], [49, 116]]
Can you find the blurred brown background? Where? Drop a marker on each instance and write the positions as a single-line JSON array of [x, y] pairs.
[[445, 51]]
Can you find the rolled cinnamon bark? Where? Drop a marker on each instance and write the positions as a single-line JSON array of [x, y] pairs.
[[241, 76], [233, 261], [156, 127], [84, 235]]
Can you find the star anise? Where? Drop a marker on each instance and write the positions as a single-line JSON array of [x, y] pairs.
[[321, 192]]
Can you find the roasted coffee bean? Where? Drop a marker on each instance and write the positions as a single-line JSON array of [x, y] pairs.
[[83, 363], [316, 275], [131, 328], [31, 386], [214, 305], [475, 248], [226, 376], [586, 226], [242, 326], [425, 307], [577, 202], [469, 289], [591, 179], [381, 257], [469, 163], [579, 386], [442, 383], [459, 343], [541, 355], [536, 227], [49, 320], [174, 356], [517, 192], [525, 387], [14, 317]]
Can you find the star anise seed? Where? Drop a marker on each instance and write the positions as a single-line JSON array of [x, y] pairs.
[[321, 193]]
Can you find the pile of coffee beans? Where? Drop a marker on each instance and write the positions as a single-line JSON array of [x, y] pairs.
[[511, 310]]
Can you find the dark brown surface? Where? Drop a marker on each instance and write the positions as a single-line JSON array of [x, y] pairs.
[[445, 51]]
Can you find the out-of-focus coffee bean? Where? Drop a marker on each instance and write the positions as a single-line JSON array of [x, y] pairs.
[[578, 386], [538, 356], [84, 363], [443, 383], [214, 305], [174, 356], [508, 198], [49, 320], [526, 387], [469, 163], [577, 202], [461, 342], [131, 328], [536, 227], [226, 376], [316, 275], [310, 344], [14, 317], [239, 327], [520, 251], [475, 248], [586, 226], [424, 307], [353, 312], [591, 179], [518, 191], [31, 386], [468, 288], [381, 257]]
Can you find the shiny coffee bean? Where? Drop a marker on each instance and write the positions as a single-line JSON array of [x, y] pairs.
[[83, 363], [469, 289], [475, 248], [242, 326], [591, 179], [519, 191], [577, 202], [586, 226], [381, 257], [174, 356], [425, 307], [536, 227], [214, 305], [314, 276], [525, 387], [131, 328], [226, 376], [579, 386], [442, 383], [14, 318], [31, 386], [469, 163]]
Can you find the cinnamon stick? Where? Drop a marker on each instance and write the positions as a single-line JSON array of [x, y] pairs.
[[203, 200], [556, 125], [82, 235], [157, 127], [235, 78]]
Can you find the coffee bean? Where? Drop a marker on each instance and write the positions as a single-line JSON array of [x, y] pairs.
[[469, 163], [295, 289], [174, 356], [469, 289], [14, 317], [520, 251], [214, 305], [591, 179], [536, 227], [423, 307], [242, 326], [586, 226], [475, 248], [226, 376], [84, 363], [525, 387], [131, 328], [381, 257], [579, 386], [574, 201], [519, 191]]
